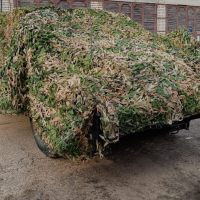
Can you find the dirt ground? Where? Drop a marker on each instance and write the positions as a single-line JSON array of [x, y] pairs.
[[150, 166]]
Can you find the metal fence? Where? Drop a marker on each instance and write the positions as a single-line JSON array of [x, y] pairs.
[[143, 13], [183, 17], [157, 18], [57, 3]]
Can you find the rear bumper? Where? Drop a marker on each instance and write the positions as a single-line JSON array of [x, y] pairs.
[[180, 125]]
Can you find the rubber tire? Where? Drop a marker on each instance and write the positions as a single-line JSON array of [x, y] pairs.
[[41, 144]]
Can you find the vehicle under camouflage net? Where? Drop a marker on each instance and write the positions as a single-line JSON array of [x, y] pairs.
[[87, 77]]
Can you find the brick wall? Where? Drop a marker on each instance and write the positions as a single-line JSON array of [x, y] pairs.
[[161, 18], [96, 5], [6, 5]]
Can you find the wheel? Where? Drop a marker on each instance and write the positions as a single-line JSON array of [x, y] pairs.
[[41, 144]]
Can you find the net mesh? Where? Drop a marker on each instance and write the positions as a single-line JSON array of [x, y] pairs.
[[60, 66]]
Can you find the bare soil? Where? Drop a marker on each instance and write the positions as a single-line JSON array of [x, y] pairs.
[[150, 166]]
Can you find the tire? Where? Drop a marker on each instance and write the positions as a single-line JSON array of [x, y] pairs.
[[41, 144]]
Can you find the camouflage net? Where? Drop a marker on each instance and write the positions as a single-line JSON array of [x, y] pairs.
[[61, 66]]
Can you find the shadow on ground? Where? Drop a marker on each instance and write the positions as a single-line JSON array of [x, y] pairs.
[[150, 165]]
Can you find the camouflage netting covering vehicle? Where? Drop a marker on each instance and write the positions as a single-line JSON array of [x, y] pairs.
[[63, 67]]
